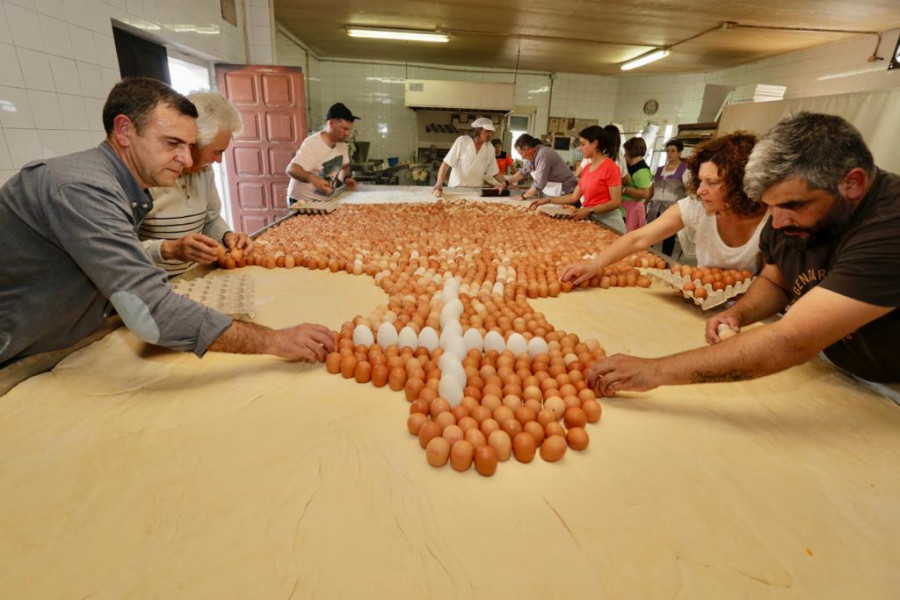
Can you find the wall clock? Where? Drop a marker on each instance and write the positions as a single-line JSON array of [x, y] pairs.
[[650, 107]]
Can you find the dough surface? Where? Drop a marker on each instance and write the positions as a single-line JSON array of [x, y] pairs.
[[130, 472]]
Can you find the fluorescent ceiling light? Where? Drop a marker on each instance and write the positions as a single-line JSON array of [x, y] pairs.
[[646, 59], [412, 35]]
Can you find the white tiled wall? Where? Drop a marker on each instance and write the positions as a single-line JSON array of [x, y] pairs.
[[375, 92], [58, 61], [837, 68]]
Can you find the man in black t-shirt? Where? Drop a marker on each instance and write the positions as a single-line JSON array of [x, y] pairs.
[[832, 252]]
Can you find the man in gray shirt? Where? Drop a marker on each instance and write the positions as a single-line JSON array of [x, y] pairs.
[[544, 165], [72, 255]]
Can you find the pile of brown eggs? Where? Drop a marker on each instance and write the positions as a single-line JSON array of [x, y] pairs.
[[499, 257], [513, 405]]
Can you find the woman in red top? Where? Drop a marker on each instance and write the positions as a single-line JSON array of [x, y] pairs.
[[600, 183]]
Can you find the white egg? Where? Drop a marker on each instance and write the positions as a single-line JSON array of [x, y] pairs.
[[451, 329], [497, 290], [570, 358], [428, 338], [362, 336], [408, 338], [455, 345], [450, 389], [494, 341], [445, 359], [449, 313], [473, 340], [455, 370], [517, 344], [449, 294], [537, 345], [387, 335]]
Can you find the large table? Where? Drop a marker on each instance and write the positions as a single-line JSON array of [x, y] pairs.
[[134, 472]]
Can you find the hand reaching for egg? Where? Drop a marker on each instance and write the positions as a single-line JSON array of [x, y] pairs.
[[578, 273], [620, 373], [238, 239], [722, 326], [307, 342], [194, 247]]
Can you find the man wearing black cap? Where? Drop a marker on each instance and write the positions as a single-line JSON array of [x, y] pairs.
[[322, 163]]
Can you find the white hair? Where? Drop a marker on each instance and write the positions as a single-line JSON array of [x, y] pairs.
[[215, 114]]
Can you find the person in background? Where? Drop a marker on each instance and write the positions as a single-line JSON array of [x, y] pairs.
[[322, 162], [544, 164], [471, 159], [74, 257], [504, 160], [723, 220], [600, 186], [185, 225], [669, 186], [636, 184], [832, 253]]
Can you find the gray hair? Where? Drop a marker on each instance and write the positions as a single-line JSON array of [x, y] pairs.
[[817, 148], [215, 114]]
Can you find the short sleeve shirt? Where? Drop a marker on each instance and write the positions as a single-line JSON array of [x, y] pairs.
[[595, 183], [470, 167], [317, 157], [861, 262], [711, 251]]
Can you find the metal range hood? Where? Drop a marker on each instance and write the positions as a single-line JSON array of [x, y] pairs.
[[435, 94]]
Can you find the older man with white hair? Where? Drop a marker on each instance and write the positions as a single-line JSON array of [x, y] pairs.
[[185, 225]]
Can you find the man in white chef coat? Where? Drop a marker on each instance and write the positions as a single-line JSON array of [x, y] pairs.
[[471, 159]]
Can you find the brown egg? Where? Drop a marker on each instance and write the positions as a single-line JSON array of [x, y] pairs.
[[438, 406], [502, 413], [415, 421], [556, 406], [461, 455], [554, 428], [546, 416], [537, 432], [480, 414], [333, 363], [459, 411], [490, 401], [525, 414], [524, 447], [445, 419], [534, 405], [475, 437], [554, 448], [485, 460], [380, 375], [489, 426], [467, 423], [453, 433], [511, 427], [437, 452], [348, 366], [593, 410], [575, 417], [420, 406], [428, 432], [397, 379], [577, 438], [501, 442], [412, 388]]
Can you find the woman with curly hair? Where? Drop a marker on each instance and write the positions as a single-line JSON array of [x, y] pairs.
[[722, 220]]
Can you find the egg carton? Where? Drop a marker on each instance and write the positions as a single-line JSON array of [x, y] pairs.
[[315, 208], [713, 297], [555, 211], [231, 295]]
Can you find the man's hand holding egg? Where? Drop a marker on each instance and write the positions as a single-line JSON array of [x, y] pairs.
[[619, 373], [194, 247], [722, 326]]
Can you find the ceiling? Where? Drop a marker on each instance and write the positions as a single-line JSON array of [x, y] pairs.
[[584, 36]]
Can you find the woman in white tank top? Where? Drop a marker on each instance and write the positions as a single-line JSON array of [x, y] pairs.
[[722, 221]]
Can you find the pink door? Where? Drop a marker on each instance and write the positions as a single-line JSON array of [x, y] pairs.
[[271, 103]]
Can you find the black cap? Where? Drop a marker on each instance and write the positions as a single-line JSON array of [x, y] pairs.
[[339, 111]]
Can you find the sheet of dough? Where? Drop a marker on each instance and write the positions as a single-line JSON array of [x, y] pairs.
[[135, 473]]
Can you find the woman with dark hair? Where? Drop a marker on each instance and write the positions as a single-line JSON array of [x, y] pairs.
[[723, 221], [600, 183], [669, 186]]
